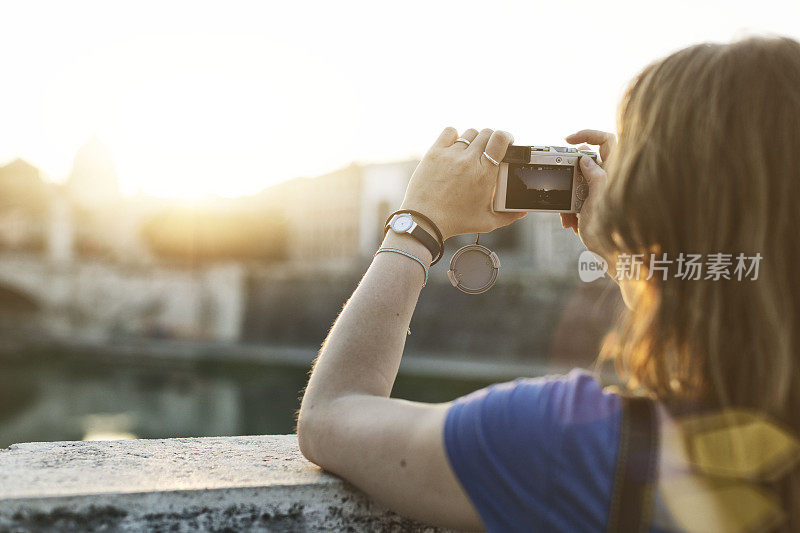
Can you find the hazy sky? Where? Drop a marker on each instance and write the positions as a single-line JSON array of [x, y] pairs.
[[195, 97]]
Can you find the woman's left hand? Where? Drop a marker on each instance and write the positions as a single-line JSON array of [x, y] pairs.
[[454, 183]]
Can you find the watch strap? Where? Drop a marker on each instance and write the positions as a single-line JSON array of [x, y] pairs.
[[434, 244], [428, 240]]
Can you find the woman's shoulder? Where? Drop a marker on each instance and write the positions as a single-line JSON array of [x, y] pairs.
[[564, 400], [574, 397]]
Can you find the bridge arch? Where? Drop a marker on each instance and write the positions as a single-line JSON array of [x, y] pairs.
[[15, 300]]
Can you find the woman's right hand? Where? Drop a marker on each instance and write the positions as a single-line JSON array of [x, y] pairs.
[[454, 183], [596, 178]]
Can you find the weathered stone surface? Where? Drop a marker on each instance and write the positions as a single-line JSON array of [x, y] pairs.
[[213, 484]]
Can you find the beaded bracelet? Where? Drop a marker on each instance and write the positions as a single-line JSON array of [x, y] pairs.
[[410, 256]]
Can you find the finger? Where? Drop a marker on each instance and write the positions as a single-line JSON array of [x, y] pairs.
[[497, 145], [589, 136], [469, 135], [479, 143], [594, 173], [447, 137], [605, 140], [607, 147]]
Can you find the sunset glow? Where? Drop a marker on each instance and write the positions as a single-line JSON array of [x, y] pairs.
[[193, 101]]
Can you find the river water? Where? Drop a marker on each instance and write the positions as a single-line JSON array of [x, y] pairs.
[[55, 397]]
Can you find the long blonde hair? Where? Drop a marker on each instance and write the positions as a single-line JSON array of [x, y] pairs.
[[708, 162]]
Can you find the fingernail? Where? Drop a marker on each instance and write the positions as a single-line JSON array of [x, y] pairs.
[[587, 161]]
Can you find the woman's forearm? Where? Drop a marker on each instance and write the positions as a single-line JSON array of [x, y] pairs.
[[363, 350]]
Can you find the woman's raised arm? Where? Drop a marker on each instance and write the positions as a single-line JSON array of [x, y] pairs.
[[393, 449]]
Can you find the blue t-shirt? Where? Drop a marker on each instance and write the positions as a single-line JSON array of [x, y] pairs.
[[537, 454]]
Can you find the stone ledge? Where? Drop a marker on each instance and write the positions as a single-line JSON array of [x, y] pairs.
[[214, 484]]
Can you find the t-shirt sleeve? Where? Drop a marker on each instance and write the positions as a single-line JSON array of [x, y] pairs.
[[537, 454]]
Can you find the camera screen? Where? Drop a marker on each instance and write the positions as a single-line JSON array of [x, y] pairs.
[[539, 187]]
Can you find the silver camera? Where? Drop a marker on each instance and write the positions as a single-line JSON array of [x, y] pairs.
[[541, 178]]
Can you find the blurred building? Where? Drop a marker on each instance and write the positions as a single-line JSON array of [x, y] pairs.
[[73, 264], [102, 222], [321, 215], [92, 262], [24, 205], [338, 217], [336, 220]]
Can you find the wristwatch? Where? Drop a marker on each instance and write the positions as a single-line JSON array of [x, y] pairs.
[[404, 223]]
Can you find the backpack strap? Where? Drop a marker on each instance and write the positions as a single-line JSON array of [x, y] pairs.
[[632, 498]]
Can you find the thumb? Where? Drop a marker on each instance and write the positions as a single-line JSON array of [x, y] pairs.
[[594, 173]]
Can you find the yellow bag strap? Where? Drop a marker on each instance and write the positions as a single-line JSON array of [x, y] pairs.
[[736, 460], [739, 444]]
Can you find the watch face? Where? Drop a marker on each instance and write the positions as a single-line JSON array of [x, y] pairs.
[[402, 223]]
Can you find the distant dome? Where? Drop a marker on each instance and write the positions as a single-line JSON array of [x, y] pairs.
[[94, 175]]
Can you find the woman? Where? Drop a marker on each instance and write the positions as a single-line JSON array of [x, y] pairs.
[[705, 164]]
